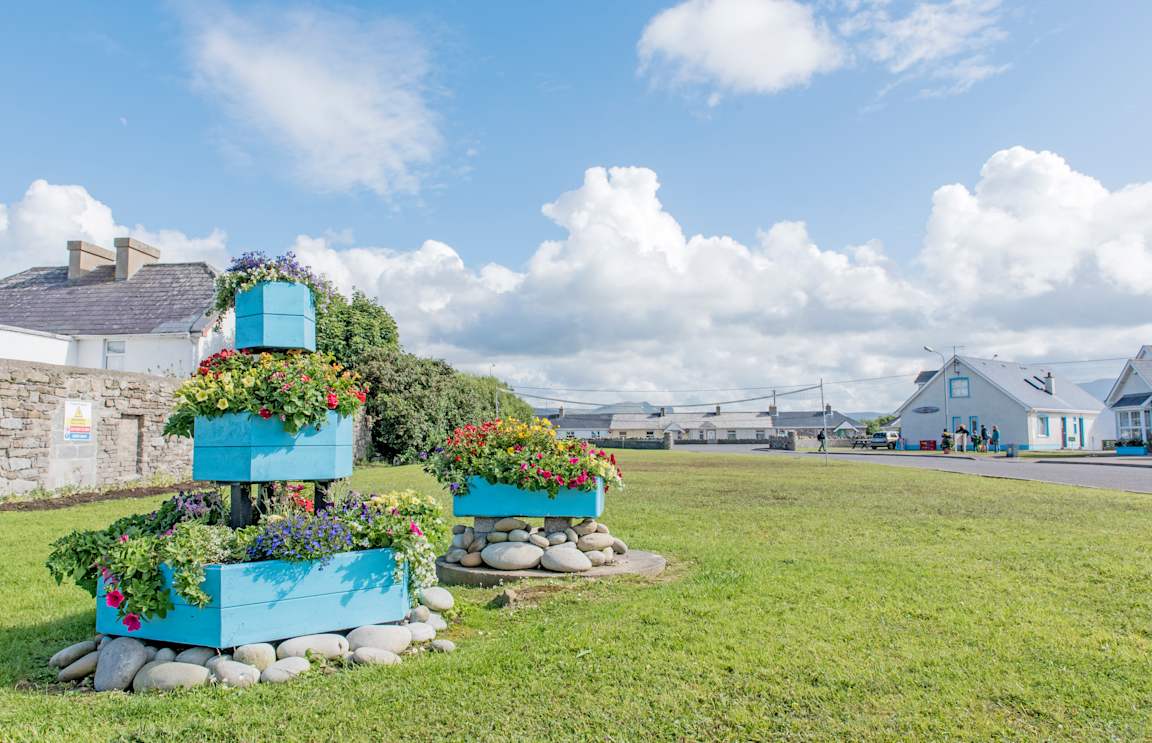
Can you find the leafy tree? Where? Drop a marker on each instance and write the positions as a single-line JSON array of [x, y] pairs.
[[415, 402], [349, 330], [875, 424]]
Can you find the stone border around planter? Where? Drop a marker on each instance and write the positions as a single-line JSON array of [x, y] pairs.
[[635, 562]]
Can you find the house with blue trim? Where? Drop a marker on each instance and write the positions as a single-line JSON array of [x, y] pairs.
[[1130, 399], [1031, 405]]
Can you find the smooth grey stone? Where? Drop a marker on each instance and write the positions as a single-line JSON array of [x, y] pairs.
[[478, 544], [140, 682], [383, 636], [518, 535], [419, 614], [211, 663], [539, 541], [594, 541], [472, 560], [572, 535], [437, 598], [80, 668], [119, 661], [512, 555], [497, 537], [436, 622], [563, 546], [561, 560], [165, 655], [609, 555], [508, 524], [596, 557], [171, 675], [557, 537], [196, 656], [458, 528], [327, 645], [619, 546], [150, 653], [421, 632], [235, 674], [71, 654], [284, 669], [443, 646], [587, 526], [375, 657], [601, 529], [455, 555], [258, 654]]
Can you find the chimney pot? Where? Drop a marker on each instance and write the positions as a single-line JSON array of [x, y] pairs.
[[131, 254], [828, 408], [717, 410], [772, 411], [84, 256], [1049, 384]]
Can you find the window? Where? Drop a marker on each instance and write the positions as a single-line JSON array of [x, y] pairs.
[[649, 434], [959, 387], [114, 355], [1043, 426], [759, 435], [731, 435], [701, 434], [1128, 425]]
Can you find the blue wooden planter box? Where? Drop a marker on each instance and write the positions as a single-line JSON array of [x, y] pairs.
[[241, 447], [486, 499], [276, 314], [1131, 451], [275, 599]]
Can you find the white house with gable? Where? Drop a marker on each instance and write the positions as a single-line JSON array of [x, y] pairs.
[[1130, 399], [1030, 404]]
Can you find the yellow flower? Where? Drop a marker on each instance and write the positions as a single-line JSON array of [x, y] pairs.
[[511, 450], [222, 404], [201, 396], [248, 380]]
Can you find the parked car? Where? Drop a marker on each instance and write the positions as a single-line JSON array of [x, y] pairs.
[[884, 439]]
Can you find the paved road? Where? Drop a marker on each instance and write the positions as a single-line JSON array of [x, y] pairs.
[[1128, 475]]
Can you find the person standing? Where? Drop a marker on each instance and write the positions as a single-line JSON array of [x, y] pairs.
[[995, 439], [820, 438], [961, 438], [983, 438], [946, 441]]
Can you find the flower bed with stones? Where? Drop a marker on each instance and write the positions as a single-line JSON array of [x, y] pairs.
[[513, 544], [124, 663]]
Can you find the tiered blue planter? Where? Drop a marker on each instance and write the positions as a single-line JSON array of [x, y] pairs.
[[275, 599], [241, 447], [487, 499], [1131, 451], [276, 314]]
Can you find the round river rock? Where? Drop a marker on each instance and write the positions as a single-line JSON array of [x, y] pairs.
[[512, 555]]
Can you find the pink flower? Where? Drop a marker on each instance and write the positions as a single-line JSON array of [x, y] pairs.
[[333, 401], [574, 460], [131, 622], [105, 573], [539, 456], [560, 479], [123, 537], [114, 598], [523, 466], [412, 527]]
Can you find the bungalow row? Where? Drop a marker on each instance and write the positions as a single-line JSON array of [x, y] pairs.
[[707, 427]]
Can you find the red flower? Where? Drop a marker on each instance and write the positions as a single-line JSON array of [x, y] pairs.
[[265, 413], [114, 598], [131, 622], [333, 401], [360, 395]]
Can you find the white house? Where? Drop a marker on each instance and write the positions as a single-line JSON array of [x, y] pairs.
[[105, 310], [581, 425], [1130, 399], [1030, 404]]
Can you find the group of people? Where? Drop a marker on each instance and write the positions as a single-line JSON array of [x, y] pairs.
[[982, 441]]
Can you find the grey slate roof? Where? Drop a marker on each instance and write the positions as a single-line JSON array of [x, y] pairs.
[[582, 421], [1025, 383], [811, 419], [159, 298], [1137, 398]]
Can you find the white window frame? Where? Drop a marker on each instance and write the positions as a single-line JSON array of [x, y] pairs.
[[119, 355]]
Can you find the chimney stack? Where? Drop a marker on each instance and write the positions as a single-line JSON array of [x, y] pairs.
[[561, 412], [663, 412], [1049, 384], [772, 410], [83, 257], [828, 409], [131, 254], [717, 410]]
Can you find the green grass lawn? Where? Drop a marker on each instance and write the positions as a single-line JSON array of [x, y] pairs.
[[804, 602]]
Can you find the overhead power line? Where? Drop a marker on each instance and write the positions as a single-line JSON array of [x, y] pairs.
[[676, 405]]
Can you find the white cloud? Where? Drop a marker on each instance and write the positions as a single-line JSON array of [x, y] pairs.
[[342, 94], [743, 46], [765, 46], [35, 230]]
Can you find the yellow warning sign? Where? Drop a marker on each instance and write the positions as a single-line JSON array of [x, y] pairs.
[[77, 420]]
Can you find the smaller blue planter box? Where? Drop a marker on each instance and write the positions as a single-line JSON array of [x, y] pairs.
[[276, 314], [486, 499], [241, 447], [1131, 451], [275, 599]]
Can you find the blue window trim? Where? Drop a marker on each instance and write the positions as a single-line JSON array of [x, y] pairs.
[[1047, 431], [951, 389]]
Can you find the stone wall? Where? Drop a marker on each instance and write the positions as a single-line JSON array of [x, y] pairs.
[[128, 414]]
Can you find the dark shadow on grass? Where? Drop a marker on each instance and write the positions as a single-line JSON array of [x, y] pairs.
[[25, 650]]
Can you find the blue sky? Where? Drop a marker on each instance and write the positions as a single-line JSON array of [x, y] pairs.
[[517, 100]]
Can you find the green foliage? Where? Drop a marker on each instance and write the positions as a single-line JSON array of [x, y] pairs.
[[416, 402], [349, 330], [875, 424]]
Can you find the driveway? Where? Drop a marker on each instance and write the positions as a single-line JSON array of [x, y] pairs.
[[1134, 476]]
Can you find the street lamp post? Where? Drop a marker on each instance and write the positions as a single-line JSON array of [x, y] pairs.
[[944, 377]]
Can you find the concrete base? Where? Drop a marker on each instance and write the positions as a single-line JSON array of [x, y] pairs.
[[633, 563]]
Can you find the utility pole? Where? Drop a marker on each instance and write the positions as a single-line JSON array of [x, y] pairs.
[[824, 414], [496, 387]]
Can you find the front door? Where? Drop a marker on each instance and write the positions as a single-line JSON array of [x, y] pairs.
[[1063, 433]]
